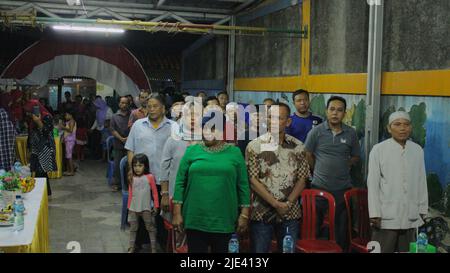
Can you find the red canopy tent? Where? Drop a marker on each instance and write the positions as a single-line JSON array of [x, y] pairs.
[[112, 65]]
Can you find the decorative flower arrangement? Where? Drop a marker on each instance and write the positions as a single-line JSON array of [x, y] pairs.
[[10, 182]]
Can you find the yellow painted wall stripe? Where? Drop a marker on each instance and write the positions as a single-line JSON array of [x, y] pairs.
[[280, 84], [413, 83], [420, 83], [338, 83]]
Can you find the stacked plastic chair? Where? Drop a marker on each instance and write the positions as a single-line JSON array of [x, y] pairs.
[[110, 159], [124, 216]]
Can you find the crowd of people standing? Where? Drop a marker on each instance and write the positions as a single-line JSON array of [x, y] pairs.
[[211, 182]]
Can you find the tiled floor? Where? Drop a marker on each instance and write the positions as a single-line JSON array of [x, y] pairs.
[[84, 209]]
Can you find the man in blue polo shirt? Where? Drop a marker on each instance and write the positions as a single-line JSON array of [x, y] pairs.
[[302, 120], [332, 148]]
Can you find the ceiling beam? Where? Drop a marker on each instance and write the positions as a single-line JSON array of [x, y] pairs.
[[45, 11], [110, 5], [127, 12], [266, 10], [161, 17], [142, 17], [195, 9], [160, 3], [200, 42], [117, 15], [91, 13], [22, 8], [179, 18], [223, 21], [243, 6]]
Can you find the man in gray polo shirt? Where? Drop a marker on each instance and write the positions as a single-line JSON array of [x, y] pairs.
[[331, 149]]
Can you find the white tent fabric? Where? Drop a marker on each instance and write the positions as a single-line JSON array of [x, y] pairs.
[[82, 66]]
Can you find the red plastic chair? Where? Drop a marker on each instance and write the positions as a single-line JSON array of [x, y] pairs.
[[360, 237], [309, 243]]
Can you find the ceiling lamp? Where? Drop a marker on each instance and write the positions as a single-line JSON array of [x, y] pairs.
[[73, 2], [88, 29]]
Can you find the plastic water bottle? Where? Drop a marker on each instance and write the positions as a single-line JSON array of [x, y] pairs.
[[17, 167], [422, 243], [19, 209], [233, 245], [288, 242], [55, 132]]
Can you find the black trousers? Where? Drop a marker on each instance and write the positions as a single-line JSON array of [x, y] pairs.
[[96, 144], [340, 219], [118, 154], [199, 241], [161, 232]]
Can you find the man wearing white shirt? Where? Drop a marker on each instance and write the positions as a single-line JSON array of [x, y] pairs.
[[397, 187]]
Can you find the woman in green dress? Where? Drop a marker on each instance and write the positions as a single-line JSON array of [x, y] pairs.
[[212, 192]]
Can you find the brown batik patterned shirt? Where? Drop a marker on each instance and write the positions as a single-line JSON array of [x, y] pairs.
[[278, 169]]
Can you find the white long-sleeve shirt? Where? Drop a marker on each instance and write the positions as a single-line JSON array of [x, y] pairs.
[[397, 185]]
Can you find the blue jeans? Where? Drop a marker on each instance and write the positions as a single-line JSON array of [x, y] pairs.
[[262, 233]]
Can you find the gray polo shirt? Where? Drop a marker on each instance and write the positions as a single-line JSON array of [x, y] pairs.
[[172, 154], [332, 153]]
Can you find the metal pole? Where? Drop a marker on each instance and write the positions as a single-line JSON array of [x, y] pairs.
[[373, 78], [231, 59]]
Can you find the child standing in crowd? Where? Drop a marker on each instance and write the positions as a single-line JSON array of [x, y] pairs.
[[140, 192], [70, 130]]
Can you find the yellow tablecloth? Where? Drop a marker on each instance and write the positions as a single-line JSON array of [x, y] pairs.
[[21, 148], [40, 242], [59, 160]]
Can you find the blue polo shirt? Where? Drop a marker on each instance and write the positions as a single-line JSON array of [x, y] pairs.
[[143, 138], [300, 127]]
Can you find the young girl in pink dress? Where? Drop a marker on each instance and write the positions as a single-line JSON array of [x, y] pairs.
[[140, 205], [70, 130]]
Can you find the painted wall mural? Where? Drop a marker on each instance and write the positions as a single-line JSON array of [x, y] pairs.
[[431, 130]]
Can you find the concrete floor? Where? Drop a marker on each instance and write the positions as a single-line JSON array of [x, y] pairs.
[[84, 209]]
